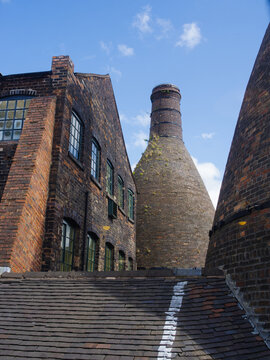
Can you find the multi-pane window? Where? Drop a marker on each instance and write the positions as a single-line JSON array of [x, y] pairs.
[[67, 246], [95, 160], [91, 253], [12, 115], [130, 204], [121, 192], [109, 178], [75, 136], [121, 265], [130, 263], [109, 257]]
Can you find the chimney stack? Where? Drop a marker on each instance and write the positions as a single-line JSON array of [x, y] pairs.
[[174, 211]]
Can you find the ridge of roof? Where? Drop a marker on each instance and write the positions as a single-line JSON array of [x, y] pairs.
[[173, 273]]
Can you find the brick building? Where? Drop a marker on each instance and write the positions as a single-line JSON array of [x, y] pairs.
[[66, 188]]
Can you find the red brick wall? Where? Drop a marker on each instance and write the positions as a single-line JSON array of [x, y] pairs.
[[240, 242], [23, 206]]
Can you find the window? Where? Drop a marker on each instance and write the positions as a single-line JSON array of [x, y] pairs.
[[130, 264], [67, 246], [109, 257], [121, 192], [75, 136], [12, 115], [121, 261], [109, 178], [130, 204], [95, 160], [91, 253]]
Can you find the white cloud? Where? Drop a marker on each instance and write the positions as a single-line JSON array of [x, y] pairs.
[[124, 50], [211, 177], [165, 26], [206, 136], [143, 119], [142, 20], [107, 47], [140, 139], [191, 36]]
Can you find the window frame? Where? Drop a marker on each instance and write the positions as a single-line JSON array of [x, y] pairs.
[[65, 266], [109, 257], [4, 116], [131, 204], [75, 137], [110, 178], [95, 159], [121, 260], [91, 261], [121, 192], [130, 263]]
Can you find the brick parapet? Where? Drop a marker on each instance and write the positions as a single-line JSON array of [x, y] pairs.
[[23, 206]]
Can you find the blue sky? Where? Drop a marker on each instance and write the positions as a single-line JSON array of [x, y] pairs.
[[205, 47]]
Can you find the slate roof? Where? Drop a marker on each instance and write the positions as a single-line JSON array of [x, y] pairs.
[[127, 316]]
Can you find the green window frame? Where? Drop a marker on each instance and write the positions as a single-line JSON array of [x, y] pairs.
[[67, 246], [121, 261], [91, 258], [121, 192], [110, 178], [13, 112], [75, 136], [109, 257], [130, 264], [95, 160], [131, 201]]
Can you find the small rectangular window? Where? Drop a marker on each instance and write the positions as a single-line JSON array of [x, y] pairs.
[[67, 246], [75, 136], [110, 178], [95, 160], [121, 265], [109, 257], [91, 253], [130, 204], [121, 192], [12, 116], [130, 264]]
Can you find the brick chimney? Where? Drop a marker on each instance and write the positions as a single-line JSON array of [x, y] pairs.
[[174, 211]]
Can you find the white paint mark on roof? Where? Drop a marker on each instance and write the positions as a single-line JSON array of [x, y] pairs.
[[169, 329]]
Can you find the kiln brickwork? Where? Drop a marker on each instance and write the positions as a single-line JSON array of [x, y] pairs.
[[239, 243], [174, 211], [74, 196]]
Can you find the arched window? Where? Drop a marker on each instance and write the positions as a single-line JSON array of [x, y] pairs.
[[92, 251], [12, 115], [110, 178], [75, 136], [121, 192], [95, 160], [122, 260], [67, 246], [109, 257], [130, 263]]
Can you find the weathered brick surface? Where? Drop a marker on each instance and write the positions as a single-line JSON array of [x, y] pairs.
[[174, 211], [24, 201], [240, 240], [7, 152], [73, 194]]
